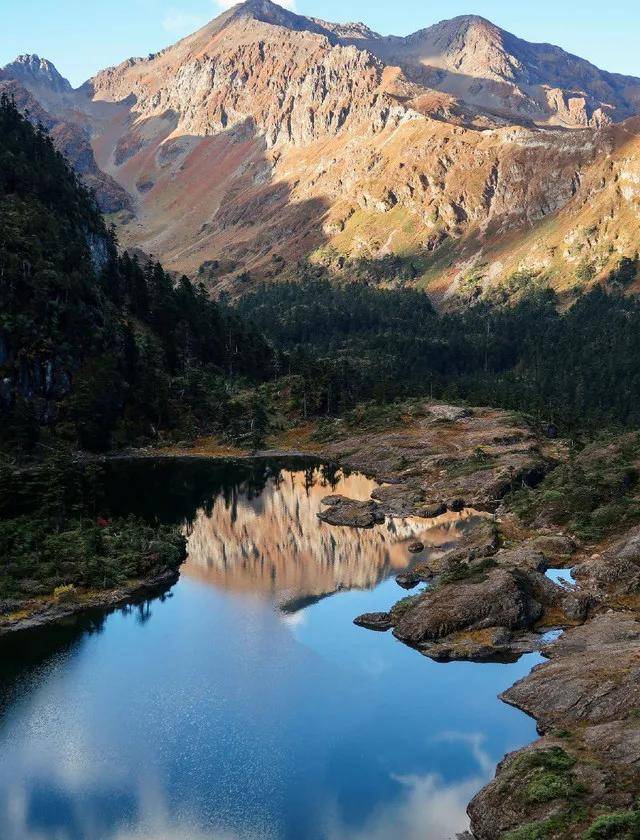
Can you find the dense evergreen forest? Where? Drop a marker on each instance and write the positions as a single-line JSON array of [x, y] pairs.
[[99, 350], [102, 348], [579, 368]]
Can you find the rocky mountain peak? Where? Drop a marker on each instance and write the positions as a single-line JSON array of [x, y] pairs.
[[469, 45], [351, 31], [267, 12], [32, 70]]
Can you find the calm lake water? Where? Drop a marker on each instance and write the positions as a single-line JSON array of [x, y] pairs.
[[245, 705]]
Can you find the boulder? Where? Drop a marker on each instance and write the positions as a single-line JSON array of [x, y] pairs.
[[500, 599], [380, 621], [408, 580], [416, 547], [351, 513], [449, 413]]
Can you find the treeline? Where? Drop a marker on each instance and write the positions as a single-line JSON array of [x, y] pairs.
[[100, 350], [579, 368], [99, 347]]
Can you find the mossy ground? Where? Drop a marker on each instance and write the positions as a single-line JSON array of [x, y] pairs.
[[594, 493]]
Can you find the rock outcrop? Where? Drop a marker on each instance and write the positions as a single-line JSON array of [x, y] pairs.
[[499, 600], [589, 693], [348, 512]]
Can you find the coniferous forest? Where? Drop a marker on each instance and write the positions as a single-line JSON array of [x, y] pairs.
[[577, 367], [101, 350], [94, 345]]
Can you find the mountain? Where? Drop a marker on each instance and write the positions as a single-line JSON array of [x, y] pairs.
[[39, 90], [477, 62], [266, 138], [38, 73]]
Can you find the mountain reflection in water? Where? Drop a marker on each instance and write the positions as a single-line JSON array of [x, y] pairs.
[[208, 714], [274, 543]]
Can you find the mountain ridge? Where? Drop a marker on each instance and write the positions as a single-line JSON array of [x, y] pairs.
[[266, 138]]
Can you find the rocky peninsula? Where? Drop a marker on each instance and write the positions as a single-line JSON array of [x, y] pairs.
[[489, 599]]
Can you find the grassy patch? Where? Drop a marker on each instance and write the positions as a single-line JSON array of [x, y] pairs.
[[619, 825], [594, 494], [461, 571], [534, 830], [480, 460]]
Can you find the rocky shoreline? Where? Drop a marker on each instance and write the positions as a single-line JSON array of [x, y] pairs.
[[489, 599], [43, 612]]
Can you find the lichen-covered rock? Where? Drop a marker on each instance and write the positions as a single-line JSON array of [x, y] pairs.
[[618, 568], [501, 599], [350, 513]]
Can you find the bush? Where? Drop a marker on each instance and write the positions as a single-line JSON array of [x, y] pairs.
[[623, 824], [64, 594]]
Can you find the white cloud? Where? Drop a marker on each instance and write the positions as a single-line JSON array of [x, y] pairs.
[[227, 4], [427, 805]]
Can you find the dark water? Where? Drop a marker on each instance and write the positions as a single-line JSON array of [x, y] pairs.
[[246, 704]]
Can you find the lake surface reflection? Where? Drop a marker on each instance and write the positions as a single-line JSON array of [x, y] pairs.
[[246, 704]]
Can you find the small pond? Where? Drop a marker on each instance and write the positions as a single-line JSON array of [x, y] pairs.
[[244, 704]]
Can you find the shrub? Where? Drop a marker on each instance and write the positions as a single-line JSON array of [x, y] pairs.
[[64, 594], [623, 824]]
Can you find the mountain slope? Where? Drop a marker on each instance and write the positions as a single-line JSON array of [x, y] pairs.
[[487, 67], [267, 137], [94, 346]]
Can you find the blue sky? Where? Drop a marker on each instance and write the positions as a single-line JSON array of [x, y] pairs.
[[83, 36]]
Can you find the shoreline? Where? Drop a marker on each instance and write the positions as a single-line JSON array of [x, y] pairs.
[[50, 612], [489, 599]]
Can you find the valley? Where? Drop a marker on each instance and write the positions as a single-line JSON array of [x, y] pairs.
[[319, 449]]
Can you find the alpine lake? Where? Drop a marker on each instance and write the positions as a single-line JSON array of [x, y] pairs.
[[244, 704]]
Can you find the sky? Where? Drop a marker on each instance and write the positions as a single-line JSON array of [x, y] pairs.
[[84, 36]]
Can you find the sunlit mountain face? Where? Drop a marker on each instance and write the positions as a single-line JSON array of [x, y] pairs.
[[275, 545]]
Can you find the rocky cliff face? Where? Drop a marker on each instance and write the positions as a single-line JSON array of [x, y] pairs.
[[37, 88], [266, 137]]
